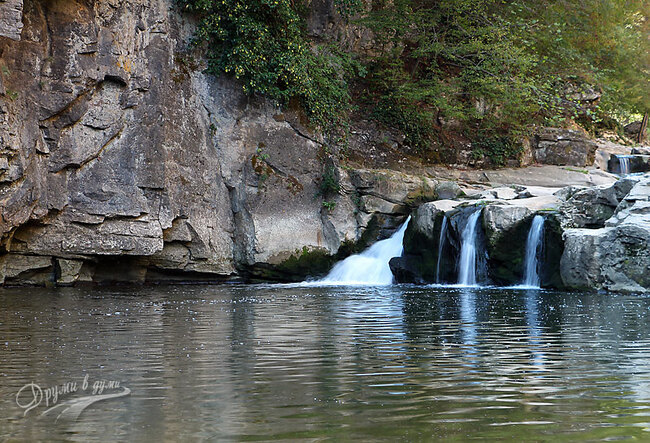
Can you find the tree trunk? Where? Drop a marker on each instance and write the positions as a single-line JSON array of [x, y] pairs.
[[644, 126]]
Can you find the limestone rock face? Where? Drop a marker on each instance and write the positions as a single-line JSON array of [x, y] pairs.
[[11, 18], [120, 159], [564, 147]]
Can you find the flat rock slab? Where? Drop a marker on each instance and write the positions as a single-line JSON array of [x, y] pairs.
[[550, 176], [541, 203]]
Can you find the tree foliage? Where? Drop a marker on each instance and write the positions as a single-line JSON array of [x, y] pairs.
[[492, 68], [500, 66], [602, 43], [263, 44]]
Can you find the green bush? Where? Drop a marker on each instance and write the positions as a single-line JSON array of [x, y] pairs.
[[329, 184], [497, 149], [263, 44]]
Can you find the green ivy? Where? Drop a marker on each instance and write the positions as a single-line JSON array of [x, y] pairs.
[[497, 149], [348, 8], [263, 44], [329, 184]]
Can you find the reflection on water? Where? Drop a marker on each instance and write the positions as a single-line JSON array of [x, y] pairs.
[[534, 331], [280, 362]]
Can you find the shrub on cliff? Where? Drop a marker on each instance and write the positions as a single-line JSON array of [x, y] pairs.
[[263, 44]]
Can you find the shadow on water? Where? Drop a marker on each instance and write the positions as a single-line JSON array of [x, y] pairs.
[[282, 362]]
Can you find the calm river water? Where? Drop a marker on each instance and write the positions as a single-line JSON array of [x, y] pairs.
[[242, 362]]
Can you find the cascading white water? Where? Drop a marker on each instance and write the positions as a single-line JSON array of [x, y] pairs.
[[624, 163], [533, 246], [371, 266], [441, 245], [468, 256]]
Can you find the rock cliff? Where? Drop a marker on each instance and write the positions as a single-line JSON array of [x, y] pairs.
[[120, 159]]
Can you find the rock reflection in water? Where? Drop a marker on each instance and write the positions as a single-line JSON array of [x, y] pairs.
[[282, 362]]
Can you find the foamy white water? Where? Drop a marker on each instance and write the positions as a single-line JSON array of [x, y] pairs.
[[533, 245], [371, 266], [441, 245], [467, 263]]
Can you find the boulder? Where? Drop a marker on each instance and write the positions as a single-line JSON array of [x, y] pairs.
[[418, 262], [632, 129], [506, 229], [448, 190], [498, 219], [405, 270], [611, 258], [535, 191], [635, 204], [615, 257], [564, 147], [501, 193], [67, 271], [592, 207]]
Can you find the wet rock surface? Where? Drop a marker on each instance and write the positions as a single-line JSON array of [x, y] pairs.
[[593, 237]]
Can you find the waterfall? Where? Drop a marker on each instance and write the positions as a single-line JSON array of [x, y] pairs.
[[468, 256], [533, 247], [371, 266], [624, 163], [441, 245]]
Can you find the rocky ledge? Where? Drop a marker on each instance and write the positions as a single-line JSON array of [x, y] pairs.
[[594, 237]]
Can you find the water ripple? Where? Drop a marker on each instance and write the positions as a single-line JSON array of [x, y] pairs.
[[265, 362]]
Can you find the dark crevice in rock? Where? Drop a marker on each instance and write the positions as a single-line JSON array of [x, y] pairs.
[[93, 157], [115, 79], [302, 134], [160, 276], [70, 114]]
